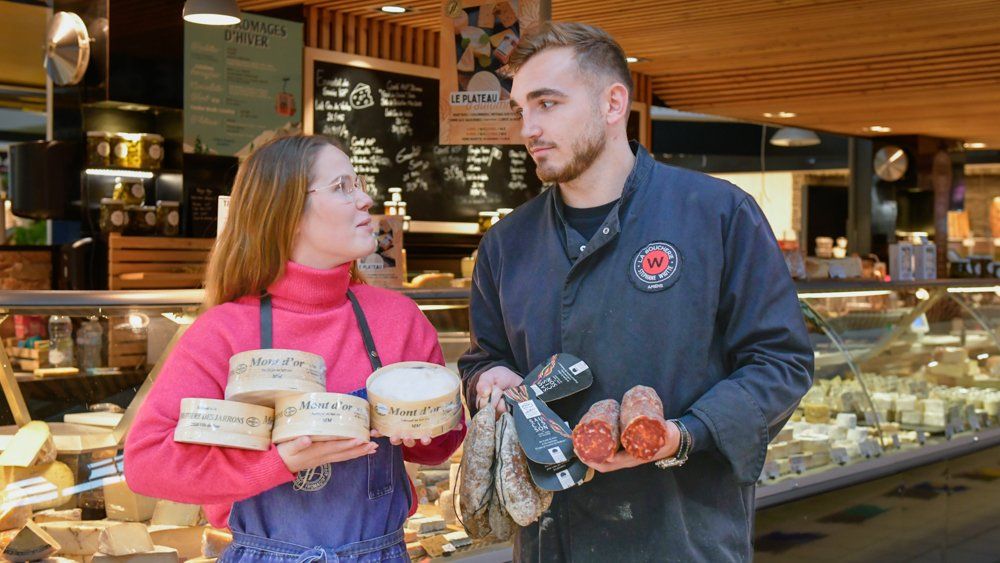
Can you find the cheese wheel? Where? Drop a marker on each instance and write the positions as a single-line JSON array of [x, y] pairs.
[[258, 377], [414, 399], [213, 422], [320, 416]]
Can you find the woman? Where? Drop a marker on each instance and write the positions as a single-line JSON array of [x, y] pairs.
[[298, 220]]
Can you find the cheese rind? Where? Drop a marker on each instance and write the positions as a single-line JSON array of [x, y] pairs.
[[224, 423], [32, 445], [260, 376], [30, 543], [320, 416], [414, 400], [125, 538], [121, 503]]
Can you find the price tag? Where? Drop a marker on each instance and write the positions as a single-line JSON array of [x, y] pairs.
[[839, 455], [771, 470], [797, 463], [948, 432], [989, 422], [895, 441], [974, 422], [921, 437], [565, 479], [867, 448], [529, 409]]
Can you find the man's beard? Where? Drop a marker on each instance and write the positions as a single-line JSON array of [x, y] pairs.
[[585, 149]]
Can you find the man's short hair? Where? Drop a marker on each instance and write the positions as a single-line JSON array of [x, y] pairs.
[[596, 52]]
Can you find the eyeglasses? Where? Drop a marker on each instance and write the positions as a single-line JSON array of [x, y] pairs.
[[344, 186]]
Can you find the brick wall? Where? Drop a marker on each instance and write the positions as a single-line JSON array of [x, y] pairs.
[[25, 269]]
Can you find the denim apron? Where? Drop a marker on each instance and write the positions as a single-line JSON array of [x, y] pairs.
[[319, 516]]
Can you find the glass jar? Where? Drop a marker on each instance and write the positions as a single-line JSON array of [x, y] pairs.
[[487, 219], [130, 191], [142, 220], [113, 217], [503, 212], [98, 149], [401, 208], [391, 208], [151, 151], [168, 217], [396, 194], [127, 150]]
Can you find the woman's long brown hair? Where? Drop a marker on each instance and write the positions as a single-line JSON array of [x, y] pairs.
[[268, 198]]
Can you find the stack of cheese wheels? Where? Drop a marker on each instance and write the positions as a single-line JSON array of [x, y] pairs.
[[259, 377], [414, 400], [321, 416], [214, 422]]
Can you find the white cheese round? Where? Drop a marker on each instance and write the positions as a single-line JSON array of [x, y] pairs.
[[414, 399], [321, 416], [213, 422], [259, 377]]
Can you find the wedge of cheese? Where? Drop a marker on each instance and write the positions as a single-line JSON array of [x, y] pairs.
[[185, 539], [215, 541], [30, 543], [52, 515], [122, 504], [14, 517], [77, 538], [41, 487], [31, 446], [159, 555], [169, 513], [125, 538]]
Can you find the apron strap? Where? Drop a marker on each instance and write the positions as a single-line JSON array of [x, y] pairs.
[[366, 333], [266, 321]]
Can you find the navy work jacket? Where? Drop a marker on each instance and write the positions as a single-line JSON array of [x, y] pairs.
[[684, 289]]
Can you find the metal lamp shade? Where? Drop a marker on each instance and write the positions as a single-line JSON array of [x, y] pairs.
[[212, 12], [794, 137]]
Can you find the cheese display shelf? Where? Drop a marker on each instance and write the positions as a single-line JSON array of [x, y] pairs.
[[904, 379]]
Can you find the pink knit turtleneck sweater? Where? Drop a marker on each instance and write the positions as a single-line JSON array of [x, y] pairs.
[[312, 314]]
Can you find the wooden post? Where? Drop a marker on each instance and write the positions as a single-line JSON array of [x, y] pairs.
[[338, 32]]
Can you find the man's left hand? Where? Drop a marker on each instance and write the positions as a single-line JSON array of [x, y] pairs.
[[625, 460]]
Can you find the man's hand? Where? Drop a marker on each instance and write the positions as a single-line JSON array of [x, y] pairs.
[[491, 385], [407, 442], [624, 460], [303, 453]]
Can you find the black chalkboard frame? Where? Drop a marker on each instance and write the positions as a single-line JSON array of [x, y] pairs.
[[313, 56]]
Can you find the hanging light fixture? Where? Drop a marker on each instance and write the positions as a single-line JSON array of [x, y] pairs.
[[794, 137], [212, 12]]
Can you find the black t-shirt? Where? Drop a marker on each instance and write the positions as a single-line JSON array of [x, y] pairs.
[[586, 220]]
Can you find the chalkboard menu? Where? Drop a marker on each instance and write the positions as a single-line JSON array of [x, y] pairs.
[[389, 123], [206, 177]]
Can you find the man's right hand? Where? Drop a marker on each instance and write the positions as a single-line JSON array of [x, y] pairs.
[[492, 383], [303, 453]]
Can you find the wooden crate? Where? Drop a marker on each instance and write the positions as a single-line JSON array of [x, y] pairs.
[[156, 262], [126, 347]]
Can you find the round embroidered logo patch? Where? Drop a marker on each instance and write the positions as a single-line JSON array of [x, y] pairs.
[[312, 480], [655, 267]]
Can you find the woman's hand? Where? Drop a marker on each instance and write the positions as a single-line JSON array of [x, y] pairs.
[[407, 442], [303, 453]]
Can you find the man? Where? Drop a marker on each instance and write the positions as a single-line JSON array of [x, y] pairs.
[[654, 276]]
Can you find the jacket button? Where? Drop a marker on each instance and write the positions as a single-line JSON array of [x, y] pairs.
[[583, 248], [606, 230]]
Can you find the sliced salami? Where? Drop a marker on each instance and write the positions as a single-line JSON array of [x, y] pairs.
[[595, 438], [644, 430]]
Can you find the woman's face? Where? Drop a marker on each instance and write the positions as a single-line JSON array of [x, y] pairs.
[[335, 227]]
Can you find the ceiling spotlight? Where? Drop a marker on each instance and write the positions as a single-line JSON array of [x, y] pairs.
[[780, 115], [212, 12], [794, 137], [879, 129], [632, 60], [974, 145], [394, 9]]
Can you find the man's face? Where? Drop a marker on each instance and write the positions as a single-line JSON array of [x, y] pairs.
[[561, 121]]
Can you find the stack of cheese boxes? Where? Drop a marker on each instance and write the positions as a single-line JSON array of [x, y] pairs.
[[40, 523]]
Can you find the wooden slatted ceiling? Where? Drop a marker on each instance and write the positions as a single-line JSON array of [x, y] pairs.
[[918, 66]]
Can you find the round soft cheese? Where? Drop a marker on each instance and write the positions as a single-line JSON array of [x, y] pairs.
[[414, 399], [321, 416], [260, 376], [214, 422]]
